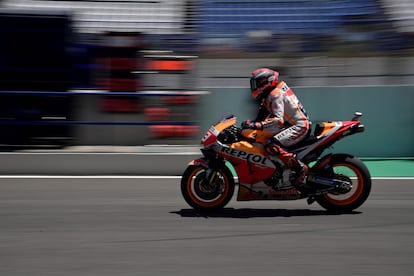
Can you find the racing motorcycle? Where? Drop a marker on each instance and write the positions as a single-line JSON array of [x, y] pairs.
[[337, 182]]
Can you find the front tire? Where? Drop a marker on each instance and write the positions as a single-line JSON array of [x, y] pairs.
[[204, 196], [353, 168]]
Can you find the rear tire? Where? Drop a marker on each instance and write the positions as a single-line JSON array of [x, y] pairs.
[[203, 196], [353, 168]]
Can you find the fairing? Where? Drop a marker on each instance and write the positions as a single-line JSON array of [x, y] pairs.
[[254, 166]]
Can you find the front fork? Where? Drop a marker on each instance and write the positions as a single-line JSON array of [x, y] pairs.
[[211, 167], [211, 176]]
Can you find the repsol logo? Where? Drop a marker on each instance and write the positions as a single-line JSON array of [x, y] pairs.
[[255, 158]]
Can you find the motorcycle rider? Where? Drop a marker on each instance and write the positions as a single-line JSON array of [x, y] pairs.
[[282, 114]]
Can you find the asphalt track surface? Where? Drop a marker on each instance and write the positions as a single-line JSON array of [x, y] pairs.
[[141, 226]]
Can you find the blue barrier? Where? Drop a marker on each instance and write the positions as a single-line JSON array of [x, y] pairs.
[[97, 123], [31, 114], [101, 93], [107, 93]]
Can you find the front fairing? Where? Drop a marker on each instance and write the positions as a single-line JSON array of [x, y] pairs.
[[211, 136]]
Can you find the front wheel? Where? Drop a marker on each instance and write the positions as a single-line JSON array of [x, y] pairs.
[[205, 195], [353, 169]]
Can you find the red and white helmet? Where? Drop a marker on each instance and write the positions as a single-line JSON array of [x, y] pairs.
[[263, 80]]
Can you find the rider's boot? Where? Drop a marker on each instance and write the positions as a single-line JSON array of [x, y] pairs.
[[290, 160]]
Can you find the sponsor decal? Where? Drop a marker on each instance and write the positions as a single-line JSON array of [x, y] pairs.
[[284, 88], [255, 158], [212, 132], [206, 136]]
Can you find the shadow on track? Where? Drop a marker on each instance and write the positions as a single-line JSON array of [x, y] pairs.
[[258, 213]]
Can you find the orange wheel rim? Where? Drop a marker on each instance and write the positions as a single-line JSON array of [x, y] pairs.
[[356, 191], [202, 202]]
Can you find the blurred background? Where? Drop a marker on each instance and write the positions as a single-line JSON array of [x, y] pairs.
[[138, 72]]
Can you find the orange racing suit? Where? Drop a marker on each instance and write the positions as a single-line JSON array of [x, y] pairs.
[[284, 116]]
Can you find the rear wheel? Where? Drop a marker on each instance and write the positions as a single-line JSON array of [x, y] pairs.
[[349, 167], [204, 195]]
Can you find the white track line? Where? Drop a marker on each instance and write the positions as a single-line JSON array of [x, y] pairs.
[[91, 176], [135, 177]]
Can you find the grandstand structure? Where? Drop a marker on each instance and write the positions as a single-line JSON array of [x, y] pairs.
[[241, 24], [156, 17], [299, 25], [238, 27], [402, 12], [283, 17]]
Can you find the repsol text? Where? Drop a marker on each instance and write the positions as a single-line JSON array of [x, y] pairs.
[[255, 158]]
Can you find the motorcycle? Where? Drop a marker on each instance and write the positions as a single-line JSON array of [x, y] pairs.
[[337, 182]]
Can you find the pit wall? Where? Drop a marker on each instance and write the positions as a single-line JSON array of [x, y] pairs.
[[388, 114]]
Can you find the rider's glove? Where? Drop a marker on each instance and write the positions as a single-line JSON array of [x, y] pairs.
[[251, 125]]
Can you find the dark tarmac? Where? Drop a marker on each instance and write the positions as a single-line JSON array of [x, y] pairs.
[[142, 226]]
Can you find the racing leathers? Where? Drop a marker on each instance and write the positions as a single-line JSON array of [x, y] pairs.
[[282, 114]]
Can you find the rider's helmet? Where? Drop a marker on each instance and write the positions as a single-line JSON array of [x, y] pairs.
[[263, 81]]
